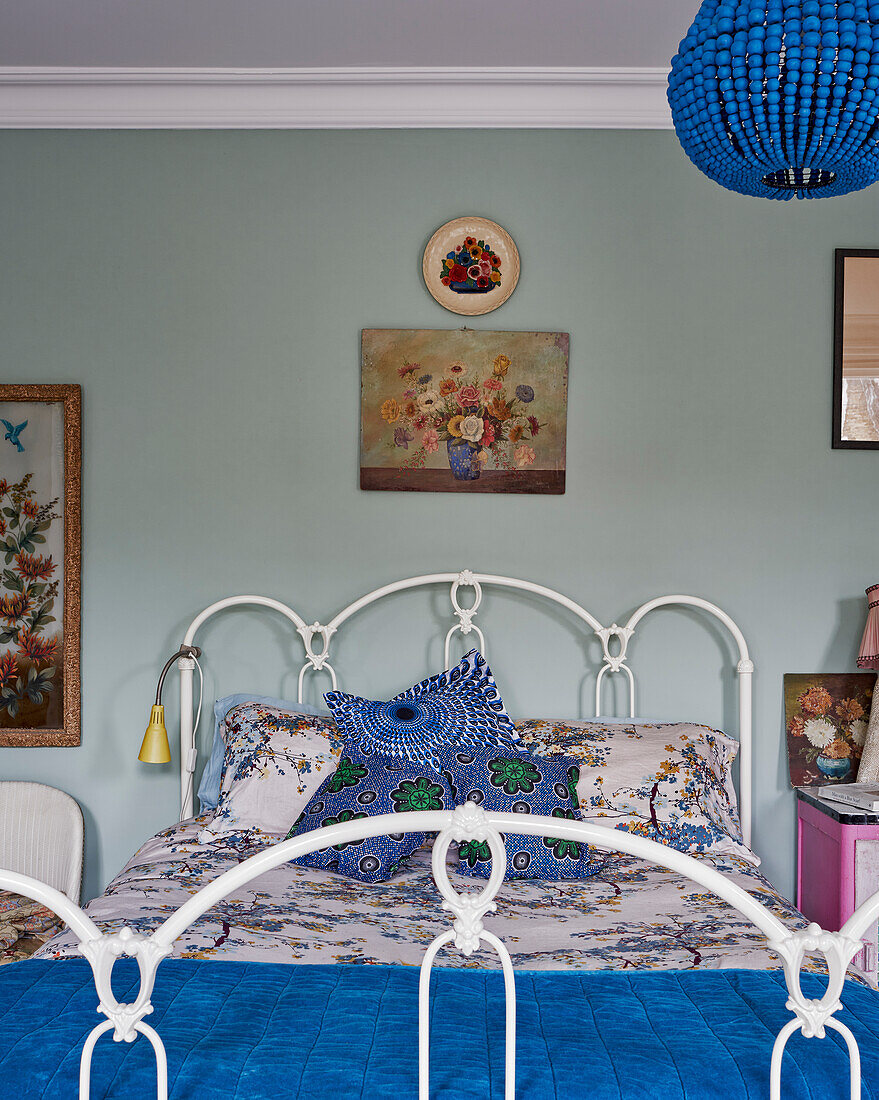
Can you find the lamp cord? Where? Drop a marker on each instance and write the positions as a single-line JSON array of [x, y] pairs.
[[191, 771]]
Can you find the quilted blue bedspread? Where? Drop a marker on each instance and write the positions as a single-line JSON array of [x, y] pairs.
[[266, 1031]]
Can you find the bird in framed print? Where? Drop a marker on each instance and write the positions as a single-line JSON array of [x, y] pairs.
[[13, 432]]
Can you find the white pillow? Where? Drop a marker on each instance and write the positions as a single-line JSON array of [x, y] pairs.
[[669, 782], [274, 762]]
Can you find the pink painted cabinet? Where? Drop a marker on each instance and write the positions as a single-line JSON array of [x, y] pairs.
[[837, 868]]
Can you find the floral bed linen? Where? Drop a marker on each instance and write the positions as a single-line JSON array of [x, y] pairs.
[[633, 915], [25, 926]]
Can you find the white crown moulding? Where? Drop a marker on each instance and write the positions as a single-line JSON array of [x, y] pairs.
[[349, 98]]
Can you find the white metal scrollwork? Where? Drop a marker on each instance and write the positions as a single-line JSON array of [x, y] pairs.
[[126, 1020], [615, 662], [465, 615], [466, 823], [316, 661], [812, 1016]]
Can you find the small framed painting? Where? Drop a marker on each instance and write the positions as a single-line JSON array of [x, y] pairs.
[[856, 349], [826, 718], [471, 265], [463, 411], [40, 542]]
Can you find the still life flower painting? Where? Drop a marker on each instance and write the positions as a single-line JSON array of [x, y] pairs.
[[826, 719], [463, 411]]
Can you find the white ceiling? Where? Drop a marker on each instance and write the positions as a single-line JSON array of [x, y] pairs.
[[306, 33]]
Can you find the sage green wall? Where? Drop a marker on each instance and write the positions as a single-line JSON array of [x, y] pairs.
[[208, 291]]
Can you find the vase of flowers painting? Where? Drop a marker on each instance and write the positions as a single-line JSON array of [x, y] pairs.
[[826, 718], [443, 411]]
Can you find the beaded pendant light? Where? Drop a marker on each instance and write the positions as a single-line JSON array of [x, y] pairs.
[[776, 98]]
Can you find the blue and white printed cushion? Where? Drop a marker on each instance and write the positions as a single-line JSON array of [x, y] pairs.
[[669, 782], [364, 786], [519, 783], [275, 760], [459, 708]]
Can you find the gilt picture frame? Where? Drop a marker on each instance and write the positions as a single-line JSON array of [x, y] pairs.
[[40, 564]]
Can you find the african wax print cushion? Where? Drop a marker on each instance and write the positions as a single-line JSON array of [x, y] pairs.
[[461, 708], [520, 783], [363, 786]]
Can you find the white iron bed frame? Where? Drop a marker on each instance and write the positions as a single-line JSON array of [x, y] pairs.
[[466, 823]]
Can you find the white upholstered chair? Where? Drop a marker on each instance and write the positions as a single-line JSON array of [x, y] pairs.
[[41, 835]]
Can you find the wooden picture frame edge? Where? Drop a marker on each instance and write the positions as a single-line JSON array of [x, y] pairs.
[[836, 440], [70, 394]]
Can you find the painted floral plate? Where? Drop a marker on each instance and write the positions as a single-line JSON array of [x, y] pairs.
[[471, 265]]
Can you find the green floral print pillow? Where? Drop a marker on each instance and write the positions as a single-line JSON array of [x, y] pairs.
[[517, 782], [364, 785]]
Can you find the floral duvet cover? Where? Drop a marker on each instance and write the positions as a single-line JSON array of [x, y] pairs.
[[633, 915]]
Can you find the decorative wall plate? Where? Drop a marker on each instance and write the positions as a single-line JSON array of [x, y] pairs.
[[471, 265]]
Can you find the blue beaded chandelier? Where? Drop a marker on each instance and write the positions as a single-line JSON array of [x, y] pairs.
[[776, 98]]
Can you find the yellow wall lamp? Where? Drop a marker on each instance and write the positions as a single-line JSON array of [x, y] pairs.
[[155, 748]]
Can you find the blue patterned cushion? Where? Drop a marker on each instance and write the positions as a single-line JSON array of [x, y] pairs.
[[364, 786], [517, 782], [460, 708]]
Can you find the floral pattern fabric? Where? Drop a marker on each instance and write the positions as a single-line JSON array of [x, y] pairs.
[[364, 786], [25, 926], [668, 782], [631, 915], [274, 762]]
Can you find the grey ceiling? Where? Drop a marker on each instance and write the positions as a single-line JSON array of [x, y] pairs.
[[294, 33]]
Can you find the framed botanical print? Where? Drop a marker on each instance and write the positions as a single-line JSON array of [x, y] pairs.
[[40, 545], [856, 349]]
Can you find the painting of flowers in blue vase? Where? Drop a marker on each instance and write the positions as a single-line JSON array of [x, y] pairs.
[[463, 411], [826, 716]]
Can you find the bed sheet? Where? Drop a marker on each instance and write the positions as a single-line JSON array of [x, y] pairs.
[[633, 915]]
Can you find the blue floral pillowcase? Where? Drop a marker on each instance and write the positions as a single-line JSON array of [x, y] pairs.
[[392, 761], [668, 782]]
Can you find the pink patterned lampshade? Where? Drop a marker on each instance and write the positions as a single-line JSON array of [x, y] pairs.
[[868, 655]]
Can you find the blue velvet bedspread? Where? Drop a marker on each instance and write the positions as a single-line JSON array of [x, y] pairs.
[[261, 1031]]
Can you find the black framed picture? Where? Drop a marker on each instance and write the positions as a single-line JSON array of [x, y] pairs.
[[856, 349]]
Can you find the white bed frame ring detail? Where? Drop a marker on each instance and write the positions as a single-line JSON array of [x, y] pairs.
[[466, 823]]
